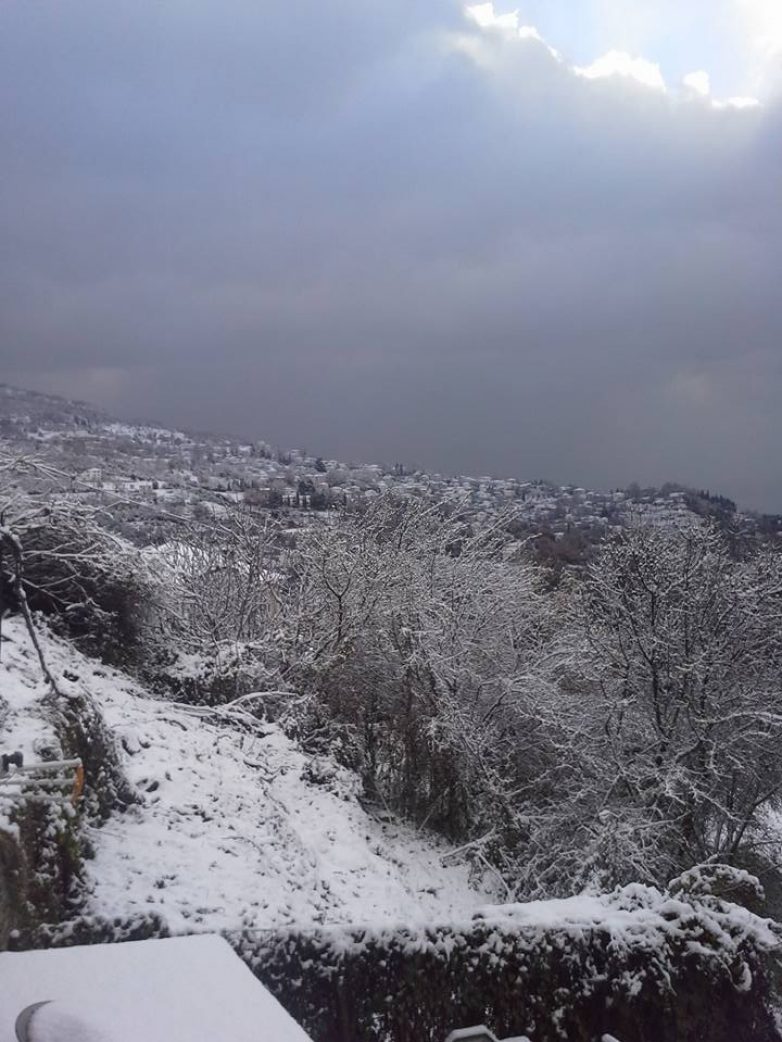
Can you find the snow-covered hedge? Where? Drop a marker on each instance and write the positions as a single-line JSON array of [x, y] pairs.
[[40, 868], [639, 965], [91, 929]]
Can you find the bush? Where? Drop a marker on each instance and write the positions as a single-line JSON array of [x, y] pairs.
[[40, 869], [639, 965], [93, 929], [86, 584]]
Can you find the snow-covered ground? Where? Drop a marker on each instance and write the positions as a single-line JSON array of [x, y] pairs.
[[234, 830]]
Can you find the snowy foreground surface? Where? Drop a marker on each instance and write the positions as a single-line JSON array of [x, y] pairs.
[[234, 831], [180, 990]]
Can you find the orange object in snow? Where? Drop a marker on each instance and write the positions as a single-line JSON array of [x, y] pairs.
[[78, 784]]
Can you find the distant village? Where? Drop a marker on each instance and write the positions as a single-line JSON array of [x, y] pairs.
[[186, 472]]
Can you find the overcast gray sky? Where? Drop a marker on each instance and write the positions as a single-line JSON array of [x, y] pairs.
[[543, 242]]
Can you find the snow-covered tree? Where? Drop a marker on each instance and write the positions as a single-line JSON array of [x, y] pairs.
[[680, 695], [59, 556], [217, 603], [425, 644]]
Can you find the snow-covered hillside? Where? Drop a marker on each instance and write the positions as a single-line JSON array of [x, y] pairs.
[[234, 830], [173, 470]]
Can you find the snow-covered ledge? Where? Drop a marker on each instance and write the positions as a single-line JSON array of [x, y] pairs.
[[186, 989]]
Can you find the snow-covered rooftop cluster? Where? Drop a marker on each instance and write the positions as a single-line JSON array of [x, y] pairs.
[[179, 470]]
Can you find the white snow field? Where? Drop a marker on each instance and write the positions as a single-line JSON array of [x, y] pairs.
[[233, 831], [180, 990]]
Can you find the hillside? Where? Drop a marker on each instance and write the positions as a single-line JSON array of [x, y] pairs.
[[236, 826], [336, 910], [340, 737], [179, 470]]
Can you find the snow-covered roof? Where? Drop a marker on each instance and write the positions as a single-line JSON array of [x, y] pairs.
[[185, 989]]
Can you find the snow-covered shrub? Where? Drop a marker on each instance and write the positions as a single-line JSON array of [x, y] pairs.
[[324, 772], [215, 605], [84, 734], [91, 929], [638, 964], [211, 678], [10, 874], [43, 844], [41, 858], [412, 632], [722, 882], [57, 554]]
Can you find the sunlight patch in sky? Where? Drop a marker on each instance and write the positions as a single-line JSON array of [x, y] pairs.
[[699, 82], [763, 23], [618, 63], [487, 18], [752, 31]]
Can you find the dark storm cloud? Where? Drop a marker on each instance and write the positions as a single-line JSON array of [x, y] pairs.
[[335, 224]]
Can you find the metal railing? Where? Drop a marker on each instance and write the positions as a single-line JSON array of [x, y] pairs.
[[58, 782]]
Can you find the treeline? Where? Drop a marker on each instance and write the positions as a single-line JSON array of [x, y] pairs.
[[622, 724]]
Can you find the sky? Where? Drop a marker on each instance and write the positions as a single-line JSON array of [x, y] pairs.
[[534, 241]]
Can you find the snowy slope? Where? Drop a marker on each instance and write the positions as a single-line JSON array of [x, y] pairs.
[[233, 829], [24, 723]]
